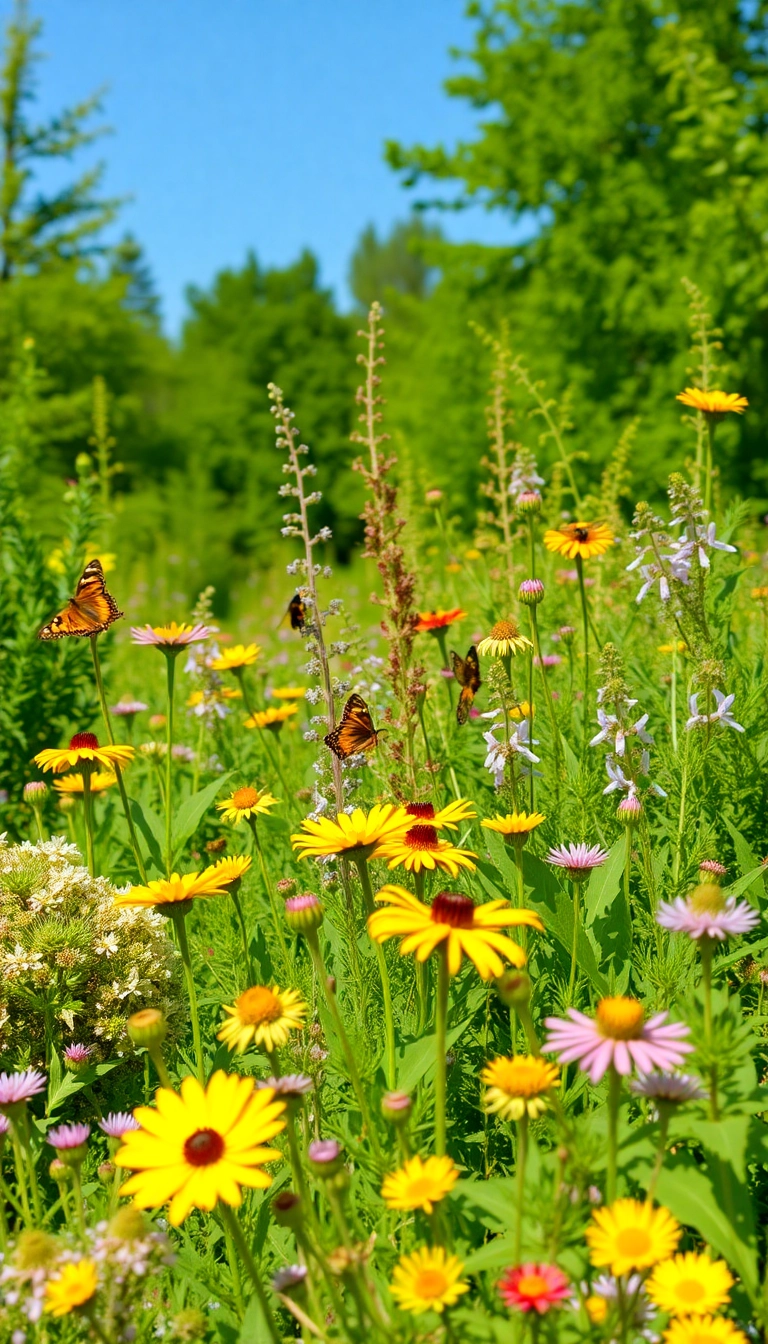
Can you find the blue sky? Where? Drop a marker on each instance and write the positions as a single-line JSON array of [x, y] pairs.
[[258, 123]]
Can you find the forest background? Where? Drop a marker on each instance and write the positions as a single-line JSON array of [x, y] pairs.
[[633, 132]]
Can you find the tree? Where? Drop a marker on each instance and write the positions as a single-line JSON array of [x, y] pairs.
[[397, 262], [36, 230], [631, 135]]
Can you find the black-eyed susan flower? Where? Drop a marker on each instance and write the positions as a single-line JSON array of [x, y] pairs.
[[83, 753], [74, 1286], [263, 1017], [445, 818], [200, 1146], [246, 803], [419, 1184], [353, 833], [240, 655], [579, 540], [518, 1085], [515, 826], [504, 640], [420, 847], [273, 719], [715, 404], [629, 1236], [432, 621], [452, 918], [172, 891], [690, 1282], [99, 781], [428, 1280], [171, 638]]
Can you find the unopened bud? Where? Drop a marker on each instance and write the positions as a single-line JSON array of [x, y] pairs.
[[514, 988], [396, 1107], [286, 886], [433, 496], [629, 811], [326, 1157], [528, 501], [531, 592], [287, 1209], [147, 1027], [59, 1171], [106, 1172], [304, 913], [567, 634]]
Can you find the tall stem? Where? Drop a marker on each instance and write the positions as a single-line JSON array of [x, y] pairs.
[[574, 943], [547, 691], [118, 772], [243, 935], [170, 667], [710, 463], [271, 895], [522, 1155], [441, 1065], [181, 932], [386, 990], [585, 623], [88, 811], [614, 1097], [661, 1148], [705, 950], [231, 1222], [673, 699]]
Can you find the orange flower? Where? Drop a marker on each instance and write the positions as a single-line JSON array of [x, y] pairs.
[[716, 404], [438, 620]]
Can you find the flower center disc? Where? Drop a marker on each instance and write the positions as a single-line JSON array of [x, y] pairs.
[[454, 909], [505, 630], [620, 1019], [245, 798], [707, 899], [633, 1241], [421, 1189], [532, 1285], [581, 533], [84, 741], [203, 1148], [422, 837], [258, 1005], [425, 811], [430, 1283], [522, 1079], [690, 1291]]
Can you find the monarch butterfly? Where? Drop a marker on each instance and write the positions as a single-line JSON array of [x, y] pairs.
[[355, 732], [89, 612], [297, 613], [467, 673]]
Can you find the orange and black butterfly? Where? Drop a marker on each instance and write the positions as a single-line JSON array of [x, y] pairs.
[[467, 673], [297, 613], [89, 612], [355, 732]]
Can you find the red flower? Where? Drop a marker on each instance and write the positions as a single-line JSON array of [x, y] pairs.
[[438, 620], [534, 1287]]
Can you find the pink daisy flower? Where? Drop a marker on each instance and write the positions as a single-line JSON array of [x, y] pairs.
[[618, 1036], [64, 1137], [118, 1123], [77, 1054], [577, 860], [533, 1287], [707, 913], [171, 636], [19, 1087]]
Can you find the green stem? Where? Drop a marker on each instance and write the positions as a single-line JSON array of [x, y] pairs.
[[236, 1232], [585, 623], [77, 1194], [21, 1176], [661, 1148], [389, 1022], [271, 896], [706, 950], [181, 932], [441, 1066], [88, 811], [614, 1097], [681, 818], [522, 1156], [243, 934], [673, 699], [574, 943], [155, 1053], [39, 823], [105, 714], [710, 463], [547, 691], [170, 667]]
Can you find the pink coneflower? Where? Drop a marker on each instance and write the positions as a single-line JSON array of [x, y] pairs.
[[672, 1087], [18, 1087], [65, 1137], [128, 707], [534, 1287], [531, 592], [118, 1123], [291, 1086], [712, 867], [707, 913], [629, 810], [577, 860], [35, 790], [171, 636], [77, 1057], [617, 1036]]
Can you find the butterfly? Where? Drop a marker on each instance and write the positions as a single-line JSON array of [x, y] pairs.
[[89, 612], [297, 613], [467, 673], [355, 732]]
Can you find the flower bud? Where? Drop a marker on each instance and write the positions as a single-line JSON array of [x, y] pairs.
[[35, 791], [106, 1172], [67, 803], [629, 811], [711, 870], [147, 1027], [128, 1224], [396, 1107], [287, 1209], [286, 886], [514, 988], [59, 1171], [433, 496], [531, 592], [528, 502], [326, 1157], [77, 1058], [304, 913], [567, 634]]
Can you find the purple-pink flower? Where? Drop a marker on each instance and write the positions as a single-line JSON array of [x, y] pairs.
[[118, 1123], [128, 706], [64, 1137], [712, 867], [618, 1035], [171, 636], [17, 1087], [77, 1054], [578, 860], [703, 915]]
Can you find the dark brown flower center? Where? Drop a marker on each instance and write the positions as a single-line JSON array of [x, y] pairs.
[[581, 533], [425, 811], [89, 741], [203, 1148], [451, 907], [422, 837]]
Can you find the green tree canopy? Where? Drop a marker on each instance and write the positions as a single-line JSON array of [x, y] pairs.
[[399, 262]]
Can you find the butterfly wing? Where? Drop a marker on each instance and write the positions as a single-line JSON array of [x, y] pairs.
[[467, 673], [297, 613], [355, 732], [91, 610]]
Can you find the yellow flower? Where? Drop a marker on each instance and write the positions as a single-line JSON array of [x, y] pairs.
[[467, 929], [418, 1184], [263, 1016], [214, 696], [690, 1283], [240, 655], [83, 752], [245, 803], [75, 1285], [518, 1086], [173, 890], [631, 1235], [447, 818], [715, 404], [596, 1308], [427, 1280], [271, 718], [453, 567], [99, 781], [703, 1330], [225, 872], [201, 1146], [515, 826], [759, 594], [522, 711], [504, 639], [421, 847], [288, 692], [579, 539], [473, 554], [679, 645], [351, 833]]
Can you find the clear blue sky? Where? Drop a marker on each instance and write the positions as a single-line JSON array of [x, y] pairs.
[[258, 123]]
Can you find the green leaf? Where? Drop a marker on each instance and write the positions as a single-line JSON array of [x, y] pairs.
[[191, 812], [605, 882], [699, 1197], [151, 828], [556, 910], [493, 1255], [497, 1197], [417, 1060]]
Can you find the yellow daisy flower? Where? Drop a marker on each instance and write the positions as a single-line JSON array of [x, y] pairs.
[[174, 890], [522, 711], [631, 1235], [467, 929], [201, 1146], [271, 718], [427, 1280], [715, 404], [83, 753], [75, 1285], [690, 1283], [504, 639], [245, 803], [703, 1330], [679, 645], [350, 833], [288, 692], [518, 1085], [759, 594], [101, 780], [240, 655], [263, 1016], [515, 826], [579, 539], [421, 847], [225, 872], [447, 818], [418, 1184]]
